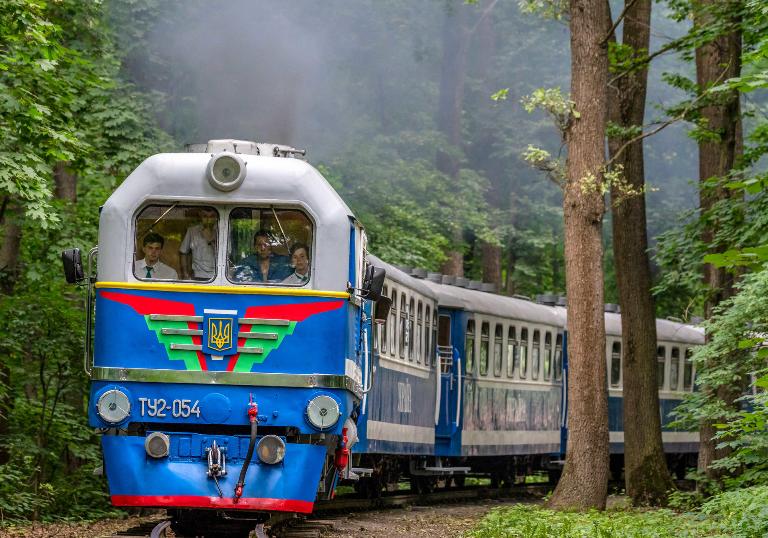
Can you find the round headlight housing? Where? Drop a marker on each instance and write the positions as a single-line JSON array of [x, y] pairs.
[[323, 412], [113, 406], [271, 449], [226, 171], [157, 445]]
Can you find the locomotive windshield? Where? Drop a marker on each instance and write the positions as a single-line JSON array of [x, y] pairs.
[[176, 242], [269, 246]]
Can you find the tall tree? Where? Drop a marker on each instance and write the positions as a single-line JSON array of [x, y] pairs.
[[453, 72], [646, 475], [717, 60], [584, 483]]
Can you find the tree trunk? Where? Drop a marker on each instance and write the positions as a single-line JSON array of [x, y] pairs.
[[452, 79], [717, 61], [491, 255], [584, 483], [66, 182], [9, 247], [646, 475]]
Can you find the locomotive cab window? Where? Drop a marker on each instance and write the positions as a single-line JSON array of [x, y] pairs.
[[176, 242], [269, 246]]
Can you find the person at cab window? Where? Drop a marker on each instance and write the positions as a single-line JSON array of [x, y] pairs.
[[150, 266], [198, 249], [300, 263], [265, 265]]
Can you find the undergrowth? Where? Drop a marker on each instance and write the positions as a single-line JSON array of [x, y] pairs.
[[736, 514]]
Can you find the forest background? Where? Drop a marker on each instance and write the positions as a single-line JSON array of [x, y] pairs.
[[90, 89]]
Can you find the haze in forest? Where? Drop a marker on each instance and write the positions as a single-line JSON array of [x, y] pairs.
[[333, 77]]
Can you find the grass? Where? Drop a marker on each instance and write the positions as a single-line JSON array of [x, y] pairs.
[[736, 514]]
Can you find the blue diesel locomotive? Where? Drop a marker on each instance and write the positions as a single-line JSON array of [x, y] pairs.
[[249, 353]]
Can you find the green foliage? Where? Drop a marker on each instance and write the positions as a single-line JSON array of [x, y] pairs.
[[548, 9], [742, 514], [412, 211], [530, 522], [60, 84]]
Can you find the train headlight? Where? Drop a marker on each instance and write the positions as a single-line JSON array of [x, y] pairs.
[[157, 445], [271, 449], [226, 171], [323, 412], [113, 406]]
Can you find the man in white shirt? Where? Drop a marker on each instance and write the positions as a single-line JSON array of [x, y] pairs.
[[198, 249], [151, 266]]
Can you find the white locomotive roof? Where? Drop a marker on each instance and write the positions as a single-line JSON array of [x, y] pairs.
[[182, 177]]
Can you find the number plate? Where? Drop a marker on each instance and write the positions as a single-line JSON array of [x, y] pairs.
[[161, 408]]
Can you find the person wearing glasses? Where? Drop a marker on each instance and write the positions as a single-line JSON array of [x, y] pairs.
[[150, 266]]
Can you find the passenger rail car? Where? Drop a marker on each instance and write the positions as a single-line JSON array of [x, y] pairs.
[[237, 366]]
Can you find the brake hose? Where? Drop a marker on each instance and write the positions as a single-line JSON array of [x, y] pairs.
[[253, 412]]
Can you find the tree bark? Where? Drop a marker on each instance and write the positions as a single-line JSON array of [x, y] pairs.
[[9, 247], [491, 255], [584, 483], [66, 182], [646, 476], [717, 61]]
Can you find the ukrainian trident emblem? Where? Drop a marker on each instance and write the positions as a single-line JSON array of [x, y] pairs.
[[219, 332]]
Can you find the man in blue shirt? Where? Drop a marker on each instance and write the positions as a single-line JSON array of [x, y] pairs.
[[264, 264]]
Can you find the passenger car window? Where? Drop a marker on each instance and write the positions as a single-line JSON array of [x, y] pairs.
[[412, 336], [269, 246], [427, 336], [524, 353], [383, 328], [176, 242], [535, 356], [403, 326], [559, 357], [469, 345], [419, 331], [674, 369], [498, 342], [615, 364], [688, 371], [547, 356], [661, 361], [393, 325], [484, 348], [512, 352]]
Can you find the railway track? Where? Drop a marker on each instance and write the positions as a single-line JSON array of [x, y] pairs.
[[326, 513], [322, 519]]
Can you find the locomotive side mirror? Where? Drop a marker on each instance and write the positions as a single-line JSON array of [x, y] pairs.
[[373, 282], [381, 310], [73, 265]]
